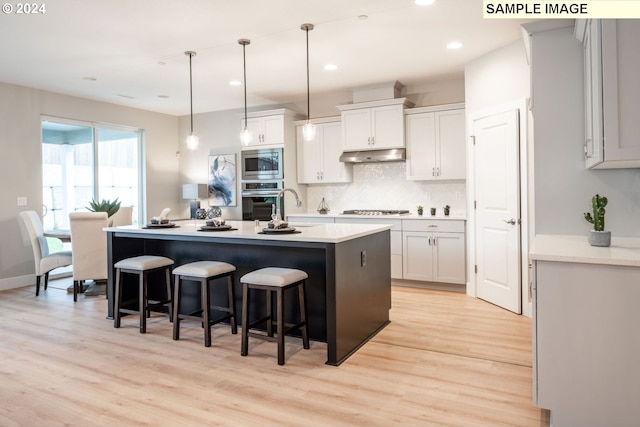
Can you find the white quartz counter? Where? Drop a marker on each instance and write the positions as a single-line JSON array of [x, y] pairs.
[[323, 233], [623, 251], [378, 217]]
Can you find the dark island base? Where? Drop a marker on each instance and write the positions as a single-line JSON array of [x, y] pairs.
[[347, 303]]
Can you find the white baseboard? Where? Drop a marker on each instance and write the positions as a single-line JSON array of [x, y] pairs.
[[17, 282]]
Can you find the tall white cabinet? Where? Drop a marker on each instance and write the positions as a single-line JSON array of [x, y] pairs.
[[435, 140], [611, 92], [318, 160]]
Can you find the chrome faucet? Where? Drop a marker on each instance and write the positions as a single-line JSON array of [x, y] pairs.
[[281, 194]]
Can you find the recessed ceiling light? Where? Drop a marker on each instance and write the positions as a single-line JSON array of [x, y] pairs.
[[125, 96], [425, 2], [330, 67], [163, 96], [362, 17], [90, 79], [454, 45], [161, 63], [235, 83]]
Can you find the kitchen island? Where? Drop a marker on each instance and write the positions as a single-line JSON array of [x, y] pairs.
[[349, 284]]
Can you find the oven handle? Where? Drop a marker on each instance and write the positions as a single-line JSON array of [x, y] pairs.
[[260, 193]]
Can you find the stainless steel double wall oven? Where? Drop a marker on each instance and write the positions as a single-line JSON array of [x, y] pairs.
[[262, 180]]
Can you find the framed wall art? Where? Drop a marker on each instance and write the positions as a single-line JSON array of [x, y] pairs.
[[222, 180]]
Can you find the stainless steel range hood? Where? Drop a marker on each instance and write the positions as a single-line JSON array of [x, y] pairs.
[[390, 155]]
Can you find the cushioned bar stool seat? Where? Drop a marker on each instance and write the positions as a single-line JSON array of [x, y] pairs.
[[273, 279], [204, 272], [142, 266]]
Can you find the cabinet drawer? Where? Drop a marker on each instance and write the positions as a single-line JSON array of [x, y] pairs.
[[446, 225], [314, 219]]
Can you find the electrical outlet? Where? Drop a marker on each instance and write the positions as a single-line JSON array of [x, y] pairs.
[[363, 258], [22, 201]]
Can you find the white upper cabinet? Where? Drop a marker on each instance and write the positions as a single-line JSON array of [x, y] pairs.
[[374, 125], [611, 92], [318, 160], [435, 138], [268, 128]]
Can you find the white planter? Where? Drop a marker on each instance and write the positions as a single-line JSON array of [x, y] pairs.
[[600, 238]]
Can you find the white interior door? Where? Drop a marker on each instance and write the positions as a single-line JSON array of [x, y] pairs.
[[497, 213]]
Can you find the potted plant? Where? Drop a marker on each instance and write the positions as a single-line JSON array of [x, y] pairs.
[[420, 210], [446, 210], [108, 206], [597, 236], [433, 211]]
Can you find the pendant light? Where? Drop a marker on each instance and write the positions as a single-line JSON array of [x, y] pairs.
[[309, 129], [192, 139], [245, 136]]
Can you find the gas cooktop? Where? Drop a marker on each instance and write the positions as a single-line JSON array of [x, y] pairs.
[[375, 212]]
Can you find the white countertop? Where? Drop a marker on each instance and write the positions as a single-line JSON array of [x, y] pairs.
[[405, 216], [623, 250], [323, 233]]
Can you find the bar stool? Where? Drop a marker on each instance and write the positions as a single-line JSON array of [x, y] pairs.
[[204, 272], [274, 279], [142, 266]]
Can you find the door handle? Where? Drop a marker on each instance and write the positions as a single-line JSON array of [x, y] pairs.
[[512, 221]]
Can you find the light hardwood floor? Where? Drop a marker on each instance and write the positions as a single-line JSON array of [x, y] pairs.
[[445, 360]]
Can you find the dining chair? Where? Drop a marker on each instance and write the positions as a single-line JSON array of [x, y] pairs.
[[124, 216], [44, 261], [89, 248]]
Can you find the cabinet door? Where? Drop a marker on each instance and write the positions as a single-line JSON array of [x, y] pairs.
[[451, 158], [333, 170], [621, 92], [309, 160], [273, 128], [255, 127], [387, 127], [356, 129], [421, 149], [592, 46], [417, 255], [449, 258]]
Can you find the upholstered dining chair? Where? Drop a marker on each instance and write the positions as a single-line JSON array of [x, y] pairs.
[[124, 216], [89, 248], [44, 261]]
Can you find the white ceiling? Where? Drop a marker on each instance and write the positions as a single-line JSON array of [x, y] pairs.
[[135, 48]]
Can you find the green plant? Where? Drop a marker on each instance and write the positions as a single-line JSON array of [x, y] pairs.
[[447, 207], [108, 206], [420, 208], [598, 203]]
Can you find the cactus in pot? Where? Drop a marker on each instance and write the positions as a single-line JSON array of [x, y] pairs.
[[598, 236]]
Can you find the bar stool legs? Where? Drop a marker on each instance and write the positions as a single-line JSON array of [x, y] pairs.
[[142, 266], [273, 279], [204, 272]]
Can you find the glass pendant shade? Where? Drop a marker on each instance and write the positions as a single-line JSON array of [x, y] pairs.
[[309, 131], [192, 141], [246, 137]]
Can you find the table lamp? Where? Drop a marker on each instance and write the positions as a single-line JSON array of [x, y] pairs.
[[194, 192]]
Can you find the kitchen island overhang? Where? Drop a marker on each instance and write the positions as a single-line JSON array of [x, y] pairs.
[[349, 285]]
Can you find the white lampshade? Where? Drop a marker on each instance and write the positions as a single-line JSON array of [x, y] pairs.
[[309, 131], [246, 136], [192, 141]]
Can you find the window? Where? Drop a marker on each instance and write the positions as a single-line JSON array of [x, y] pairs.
[[81, 162]]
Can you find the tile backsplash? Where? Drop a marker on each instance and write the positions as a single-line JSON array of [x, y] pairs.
[[384, 186]]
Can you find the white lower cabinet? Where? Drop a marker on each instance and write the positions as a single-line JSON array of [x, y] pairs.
[[434, 256]]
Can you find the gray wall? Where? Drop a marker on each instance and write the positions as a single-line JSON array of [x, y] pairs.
[[21, 171], [563, 187]]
